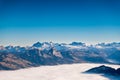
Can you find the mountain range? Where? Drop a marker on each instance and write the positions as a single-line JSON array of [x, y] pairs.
[[49, 53]]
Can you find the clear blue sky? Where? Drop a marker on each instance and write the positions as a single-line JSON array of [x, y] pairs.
[[23, 22]]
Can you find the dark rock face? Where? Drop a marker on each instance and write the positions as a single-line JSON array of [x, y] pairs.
[[36, 57], [38, 44], [104, 70], [12, 62], [118, 71], [77, 44]]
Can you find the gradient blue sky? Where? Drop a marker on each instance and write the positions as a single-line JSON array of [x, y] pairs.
[[23, 22]]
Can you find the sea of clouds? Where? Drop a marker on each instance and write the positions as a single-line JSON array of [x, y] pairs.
[[58, 72]]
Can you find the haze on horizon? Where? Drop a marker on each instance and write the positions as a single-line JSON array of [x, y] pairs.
[[24, 22]]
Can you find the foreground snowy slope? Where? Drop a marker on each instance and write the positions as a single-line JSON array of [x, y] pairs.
[[59, 72]]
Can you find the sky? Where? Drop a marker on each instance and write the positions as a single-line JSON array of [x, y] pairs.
[[24, 22]]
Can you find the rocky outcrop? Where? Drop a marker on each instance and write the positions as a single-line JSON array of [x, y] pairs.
[[105, 70]]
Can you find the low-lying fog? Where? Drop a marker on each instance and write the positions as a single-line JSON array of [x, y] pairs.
[[58, 72]]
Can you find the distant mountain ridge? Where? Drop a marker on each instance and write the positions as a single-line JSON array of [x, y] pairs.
[[49, 53]]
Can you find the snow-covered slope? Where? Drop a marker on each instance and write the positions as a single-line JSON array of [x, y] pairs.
[[58, 72]]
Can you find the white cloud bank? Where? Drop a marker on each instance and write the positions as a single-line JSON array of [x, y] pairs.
[[60, 72]]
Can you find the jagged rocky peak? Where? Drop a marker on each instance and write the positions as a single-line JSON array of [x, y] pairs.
[[77, 44], [38, 44], [9, 47]]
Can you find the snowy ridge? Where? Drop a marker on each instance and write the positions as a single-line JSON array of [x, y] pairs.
[[57, 46], [49, 53]]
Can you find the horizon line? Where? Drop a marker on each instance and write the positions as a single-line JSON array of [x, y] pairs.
[[87, 44]]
